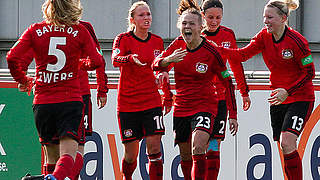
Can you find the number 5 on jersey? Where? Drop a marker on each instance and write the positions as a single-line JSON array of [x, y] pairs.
[[53, 50]]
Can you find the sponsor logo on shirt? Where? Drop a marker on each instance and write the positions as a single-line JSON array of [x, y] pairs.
[[226, 44], [306, 60], [128, 133], [156, 53], [201, 67], [287, 54], [115, 52]]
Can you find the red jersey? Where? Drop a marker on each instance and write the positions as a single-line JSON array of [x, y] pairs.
[[193, 77], [102, 79], [225, 37], [137, 90], [288, 59], [57, 52]]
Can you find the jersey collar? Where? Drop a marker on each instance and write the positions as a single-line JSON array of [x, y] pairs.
[[141, 40], [208, 33], [282, 37]]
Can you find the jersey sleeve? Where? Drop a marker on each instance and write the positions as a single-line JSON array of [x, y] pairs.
[[222, 73], [238, 71], [120, 56], [165, 87], [27, 59], [15, 60], [170, 49], [304, 59], [94, 59], [255, 47], [102, 78]]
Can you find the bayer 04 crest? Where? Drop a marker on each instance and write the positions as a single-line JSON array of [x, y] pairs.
[[287, 54], [201, 67]]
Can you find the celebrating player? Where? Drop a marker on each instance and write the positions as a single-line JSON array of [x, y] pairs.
[[57, 44], [287, 55], [139, 102], [195, 61], [212, 12]]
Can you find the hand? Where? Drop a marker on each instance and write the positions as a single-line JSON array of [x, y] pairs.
[[23, 87], [233, 126], [167, 105], [277, 96], [137, 61], [162, 78], [246, 102], [27, 87], [101, 101], [177, 56]]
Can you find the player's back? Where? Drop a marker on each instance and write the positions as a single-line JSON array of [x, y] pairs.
[[57, 50]]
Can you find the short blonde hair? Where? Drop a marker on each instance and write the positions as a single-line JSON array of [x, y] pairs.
[[284, 7], [131, 13], [62, 12]]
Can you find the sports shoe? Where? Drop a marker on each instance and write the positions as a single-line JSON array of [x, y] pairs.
[[50, 177], [29, 177]]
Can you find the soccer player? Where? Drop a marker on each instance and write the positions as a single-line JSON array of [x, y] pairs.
[[139, 102], [57, 44], [287, 55], [86, 98], [212, 12], [195, 61], [102, 90]]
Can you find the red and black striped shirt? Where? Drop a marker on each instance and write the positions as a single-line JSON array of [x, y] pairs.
[[193, 77], [288, 59]]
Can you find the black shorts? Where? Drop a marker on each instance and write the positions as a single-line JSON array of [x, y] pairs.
[[136, 125], [57, 120], [290, 117], [219, 125], [184, 126], [87, 118]]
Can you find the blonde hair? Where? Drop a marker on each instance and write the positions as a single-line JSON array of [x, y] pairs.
[[188, 6], [284, 7], [62, 12], [132, 9]]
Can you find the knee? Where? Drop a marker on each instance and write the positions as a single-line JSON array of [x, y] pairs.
[[153, 144], [130, 159], [153, 148], [185, 156], [288, 143], [198, 148]]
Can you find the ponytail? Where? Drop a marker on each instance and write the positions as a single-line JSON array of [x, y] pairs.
[[187, 4], [284, 7]]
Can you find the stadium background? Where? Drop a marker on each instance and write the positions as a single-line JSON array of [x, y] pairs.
[[240, 158]]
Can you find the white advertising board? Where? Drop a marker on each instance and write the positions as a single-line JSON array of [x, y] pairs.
[[251, 155]]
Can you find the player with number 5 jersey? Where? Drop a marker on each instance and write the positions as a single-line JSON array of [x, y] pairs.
[[57, 44], [57, 50]]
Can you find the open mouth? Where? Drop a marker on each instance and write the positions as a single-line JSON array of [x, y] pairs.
[[146, 23], [188, 33]]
